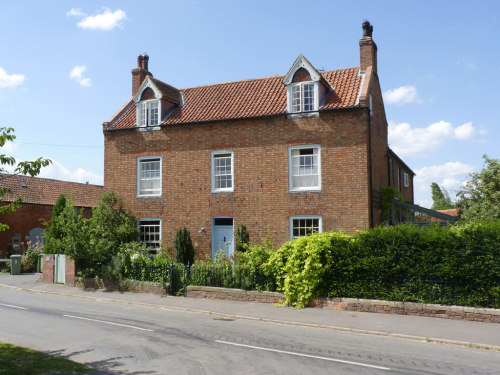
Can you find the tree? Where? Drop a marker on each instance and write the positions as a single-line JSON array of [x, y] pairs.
[[31, 168], [55, 232], [109, 227], [480, 198], [93, 242], [184, 246], [441, 199]]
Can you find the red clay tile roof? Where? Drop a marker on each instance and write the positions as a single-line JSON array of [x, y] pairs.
[[244, 99], [46, 191], [451, 211]]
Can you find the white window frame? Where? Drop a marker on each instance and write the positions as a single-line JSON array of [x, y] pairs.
[[214, 156], [145, 120], [143, 159], [300, 85], [144, 219], [406, 179], [290, 169], [299, 217]]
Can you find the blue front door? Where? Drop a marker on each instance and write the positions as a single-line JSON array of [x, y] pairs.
[[223, 237]]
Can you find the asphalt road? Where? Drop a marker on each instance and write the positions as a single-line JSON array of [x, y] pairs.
[[129, 339]]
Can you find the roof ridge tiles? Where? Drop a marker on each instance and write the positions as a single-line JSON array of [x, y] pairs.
[[260, 79], [7, 175]]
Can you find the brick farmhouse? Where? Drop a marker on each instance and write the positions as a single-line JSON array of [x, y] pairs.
[[282, 155], [39, 196]]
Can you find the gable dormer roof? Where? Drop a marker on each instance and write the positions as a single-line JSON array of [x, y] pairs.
[[302, 63], [161, 90]]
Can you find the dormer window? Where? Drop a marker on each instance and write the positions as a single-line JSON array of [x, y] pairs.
[[148, 113], [154, 101], [306, 87], [303, 97]]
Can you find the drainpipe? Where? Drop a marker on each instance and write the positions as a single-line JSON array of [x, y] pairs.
[[370, 184]]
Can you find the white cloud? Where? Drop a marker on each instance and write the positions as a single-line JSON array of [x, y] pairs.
[[8, 148], [103, 20], [59, 172], [406, 141], [402, 95], [10, 80], [451, 176], [76, 74], [75, 12]]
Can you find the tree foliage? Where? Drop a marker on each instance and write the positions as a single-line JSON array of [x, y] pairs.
[[31, 168], [242, 238], [184, 246], [480, 198], [92, 242], [55, 232], [440, 197], [109, 227]]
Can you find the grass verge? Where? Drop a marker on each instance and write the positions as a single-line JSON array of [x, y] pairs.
[[15, 360]]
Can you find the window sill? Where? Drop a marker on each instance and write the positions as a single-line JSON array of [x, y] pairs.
[[303, 114], [148, 196], [312, 190], [147, 128], [222, 191]]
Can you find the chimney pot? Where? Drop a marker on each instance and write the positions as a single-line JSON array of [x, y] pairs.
[[145, 63], [368, 49], [367, 29], [140, 59]]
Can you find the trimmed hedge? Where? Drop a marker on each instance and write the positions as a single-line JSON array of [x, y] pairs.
[[449, 265]]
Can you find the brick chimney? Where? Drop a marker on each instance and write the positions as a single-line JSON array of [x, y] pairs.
[[140, 73], [367, 49]]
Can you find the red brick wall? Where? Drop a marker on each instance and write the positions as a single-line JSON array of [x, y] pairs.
[[24, 219], [399, 168], [20, 222], [261, 198], [379, 148], [48, 268]]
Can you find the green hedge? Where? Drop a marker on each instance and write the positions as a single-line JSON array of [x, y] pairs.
[[432, 264]]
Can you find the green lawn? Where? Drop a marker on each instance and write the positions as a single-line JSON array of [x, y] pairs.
[[15, 360]]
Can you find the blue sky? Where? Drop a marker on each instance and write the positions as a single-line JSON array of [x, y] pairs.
[[65, 68]]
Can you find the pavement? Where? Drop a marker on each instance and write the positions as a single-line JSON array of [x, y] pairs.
[[446, 331]]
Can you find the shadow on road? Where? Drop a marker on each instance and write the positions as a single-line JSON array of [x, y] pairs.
[[103, 367]]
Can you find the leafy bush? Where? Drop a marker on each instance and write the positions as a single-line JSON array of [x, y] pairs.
[[31, 253], [433, 264], [242, 238], [109, 227], [55, 232]]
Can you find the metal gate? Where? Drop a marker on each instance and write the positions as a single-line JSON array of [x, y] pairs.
[[59, 269]]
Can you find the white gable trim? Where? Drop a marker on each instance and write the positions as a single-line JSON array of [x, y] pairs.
[[301, 62], [148, 82]]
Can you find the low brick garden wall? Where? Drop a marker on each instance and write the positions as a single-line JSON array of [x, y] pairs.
[[409, 308], [127, 285], [233, 294], [351, 304]]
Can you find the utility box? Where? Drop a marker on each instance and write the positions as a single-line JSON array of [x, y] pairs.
[[15, 264]]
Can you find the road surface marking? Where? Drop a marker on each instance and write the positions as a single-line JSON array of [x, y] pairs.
[[106, 322], [305, 355], [13, 306]]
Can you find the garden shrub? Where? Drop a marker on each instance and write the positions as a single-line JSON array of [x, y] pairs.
[[184, 246], [432, 264], [300, 265]]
